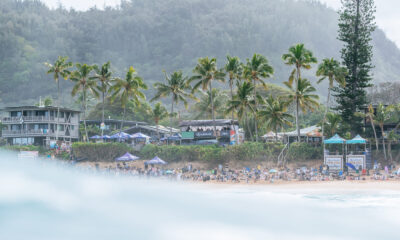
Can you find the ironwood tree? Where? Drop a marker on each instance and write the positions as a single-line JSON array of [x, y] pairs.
[[356, 24]]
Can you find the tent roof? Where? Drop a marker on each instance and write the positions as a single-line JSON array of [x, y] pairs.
[[155, 160], [357, 140], [139, 135], [335, 140], [127, 157]]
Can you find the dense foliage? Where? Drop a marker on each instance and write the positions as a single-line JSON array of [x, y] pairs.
[[153, 35], [99, 152]]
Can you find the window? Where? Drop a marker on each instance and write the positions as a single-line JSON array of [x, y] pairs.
[[72, 127], [60, 127]]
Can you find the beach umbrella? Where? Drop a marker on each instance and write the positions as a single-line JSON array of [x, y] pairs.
[[127, 157], [273, 171], [155, 161], [95, 137]]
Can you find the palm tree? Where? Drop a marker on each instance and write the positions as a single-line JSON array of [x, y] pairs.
[[176, 87], [331, 70], [203, 107], [274, 113], [299, 57], [83, 83], [382, 115], [158, 113], [255, 70], [59, 69], [104, 78], [370, 114], [233, 68], [243, 102], [332, 123], [206, 73], [303, 97], [392, 137], [128, 89]]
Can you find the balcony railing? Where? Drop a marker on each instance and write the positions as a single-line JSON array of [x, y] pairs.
[[36, 133], [45, 119]]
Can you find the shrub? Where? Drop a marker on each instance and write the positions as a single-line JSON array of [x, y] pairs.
[[100, 152], [304, 152]]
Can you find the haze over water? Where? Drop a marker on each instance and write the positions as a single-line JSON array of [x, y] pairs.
[[45, 200]]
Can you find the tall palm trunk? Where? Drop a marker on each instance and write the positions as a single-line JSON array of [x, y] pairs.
[[212, 110], [158, 132], [324, 120], [248, 126], [230, 85], [297, 120], [276, 134], [170, 118], [376, 137], [383, 142], [297, 104], [255, 109], [58, 106], [84, 113], [102, 116]]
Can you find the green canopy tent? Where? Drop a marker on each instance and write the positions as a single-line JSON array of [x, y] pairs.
[[334, 161]]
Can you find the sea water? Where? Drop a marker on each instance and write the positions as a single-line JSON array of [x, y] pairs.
[[48, 200]]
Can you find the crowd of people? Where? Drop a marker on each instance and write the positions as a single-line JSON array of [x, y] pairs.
[[251, 175]]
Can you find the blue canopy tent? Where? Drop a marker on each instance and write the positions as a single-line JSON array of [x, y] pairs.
[[127, 157], [106, 137], [120, 135], [156, 161], [95, 137]]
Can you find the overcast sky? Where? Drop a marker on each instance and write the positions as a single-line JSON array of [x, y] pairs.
[[387, 16]]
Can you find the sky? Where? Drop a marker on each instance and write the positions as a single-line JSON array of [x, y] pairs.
[[387, 16]]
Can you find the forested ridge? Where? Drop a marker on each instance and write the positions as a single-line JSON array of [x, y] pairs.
[[156, 35]]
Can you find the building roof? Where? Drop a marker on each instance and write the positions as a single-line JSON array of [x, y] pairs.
[[218, 122], [161, 128], [312, 131], [91, 121], [18, 108]]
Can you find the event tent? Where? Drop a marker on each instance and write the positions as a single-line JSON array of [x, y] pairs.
[[127, 157], [120, 135], [155, 161], [335, 140], [139, 135], [357, 140]]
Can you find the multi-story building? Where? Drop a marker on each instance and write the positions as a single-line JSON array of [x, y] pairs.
[[27, 125]]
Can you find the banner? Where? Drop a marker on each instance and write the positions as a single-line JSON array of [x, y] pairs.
[[232, 137], [335, 163], [357, 160]]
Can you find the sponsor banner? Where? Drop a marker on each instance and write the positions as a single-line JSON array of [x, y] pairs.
[[232, 137], [335, 163], [187, 135], [357, 160], [207, 134]]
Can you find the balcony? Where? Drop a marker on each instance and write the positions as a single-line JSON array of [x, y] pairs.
[[36, 133], [32, 119]]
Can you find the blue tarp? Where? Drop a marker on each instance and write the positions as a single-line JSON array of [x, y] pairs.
[[357, 140], [155, 161], [127, 157], [335, 140]]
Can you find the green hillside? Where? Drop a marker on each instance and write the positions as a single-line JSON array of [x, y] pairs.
[[153, 35]]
